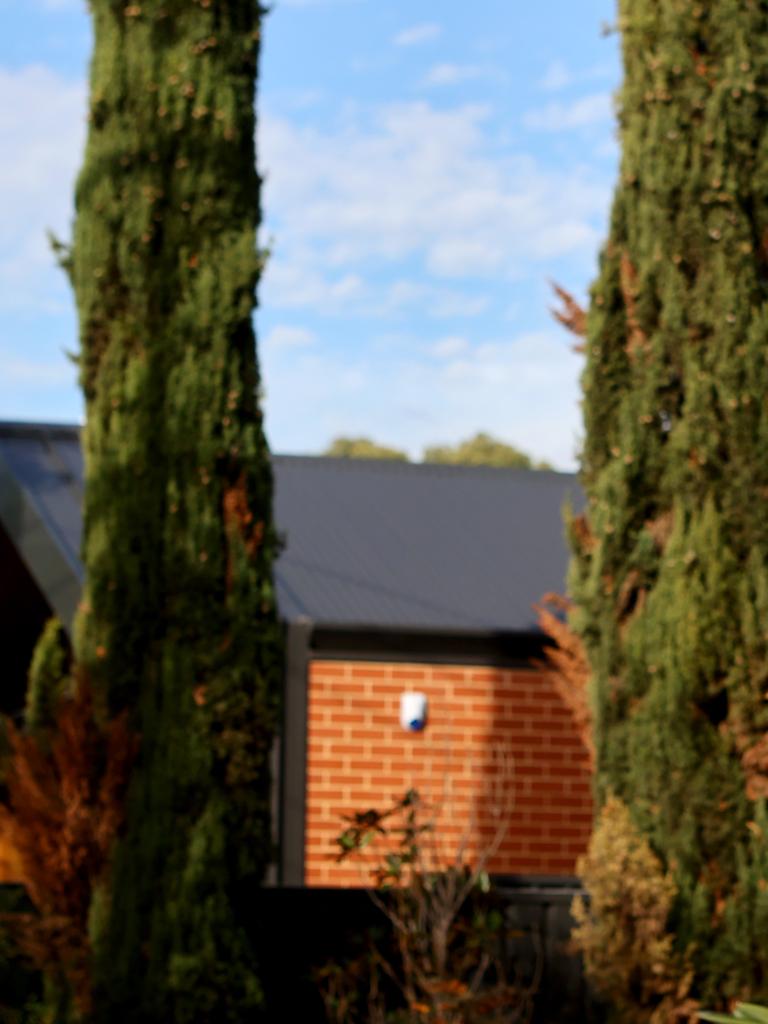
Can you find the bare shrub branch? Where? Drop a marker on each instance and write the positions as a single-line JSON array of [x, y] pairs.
[[448, 965]]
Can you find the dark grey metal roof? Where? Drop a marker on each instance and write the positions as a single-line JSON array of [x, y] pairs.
[[41, 489], [432, 547], [368, 543]]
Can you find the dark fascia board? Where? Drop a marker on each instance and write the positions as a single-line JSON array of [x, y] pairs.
[[34, 429], [336, 642], [51, 570], [293, 754]]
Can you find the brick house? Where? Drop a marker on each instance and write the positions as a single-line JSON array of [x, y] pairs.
[[394, 577]]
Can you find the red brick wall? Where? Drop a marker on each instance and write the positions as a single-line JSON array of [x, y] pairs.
[[489, 729]]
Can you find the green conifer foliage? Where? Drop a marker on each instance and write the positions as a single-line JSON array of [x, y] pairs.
[[670, 572], [48, 678], [178, 619]]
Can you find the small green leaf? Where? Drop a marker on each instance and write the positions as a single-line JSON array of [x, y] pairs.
[[346, 840], [753, 1012], [394, 864], [495, 920], [750, 1013]]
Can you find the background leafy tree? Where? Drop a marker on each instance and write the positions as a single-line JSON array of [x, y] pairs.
[[178, 620], [480, 450], [363, 448], [483, 450], [670, 572]]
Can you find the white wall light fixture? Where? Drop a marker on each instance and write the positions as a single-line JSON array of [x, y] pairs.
[[413, 711]]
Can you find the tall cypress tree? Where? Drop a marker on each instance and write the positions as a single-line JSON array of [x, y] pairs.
[[178, 620], [670, 569]]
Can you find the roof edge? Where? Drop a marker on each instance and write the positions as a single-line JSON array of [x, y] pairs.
[[437, 468], [34, 429]]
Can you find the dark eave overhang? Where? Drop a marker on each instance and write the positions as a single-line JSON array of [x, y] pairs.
[[446, 646]]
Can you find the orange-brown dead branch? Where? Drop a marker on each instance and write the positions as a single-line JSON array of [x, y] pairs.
[[567, 666], [63, 810], [754, 761], [239, 523], [572, 316], [636, 336]]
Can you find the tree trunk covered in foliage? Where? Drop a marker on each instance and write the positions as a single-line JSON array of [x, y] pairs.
[[670, 573], [178, 620]]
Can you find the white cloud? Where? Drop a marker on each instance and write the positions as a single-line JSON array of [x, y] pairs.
[[556, 77], [38, 374], [434, 300], [455, 304], [523, 389], [295, 283], [284, 336], [413, 182], [569, 235], [581, 113], [42, 129], [314, 3], [447, 348], [52, 5], [456, 74], [298, 100], [560, 75], [418, 34], [609, 149], [402, 184], [460, 257]]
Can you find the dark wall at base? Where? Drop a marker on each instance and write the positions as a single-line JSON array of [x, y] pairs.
[[297, 930], [23, 613]]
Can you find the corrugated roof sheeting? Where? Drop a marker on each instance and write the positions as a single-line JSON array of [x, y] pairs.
[[376, 543], [368, 543]]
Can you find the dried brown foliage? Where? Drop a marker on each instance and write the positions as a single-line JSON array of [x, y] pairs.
[[622, 932], [661, 528], [239, 523], [754, 761], [572, 316], [63, 809], [567, 665], [752, 748], [582, 534], [636, 336], [10, 864]]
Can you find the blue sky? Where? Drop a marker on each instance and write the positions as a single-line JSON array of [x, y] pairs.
[[430, 165]]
